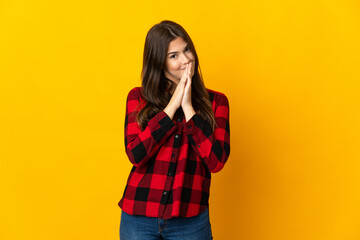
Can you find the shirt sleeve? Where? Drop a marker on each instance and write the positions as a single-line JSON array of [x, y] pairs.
[[142, 145], [212, 146]]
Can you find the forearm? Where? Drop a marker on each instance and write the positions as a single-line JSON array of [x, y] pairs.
[[213, 147], [142, 145]]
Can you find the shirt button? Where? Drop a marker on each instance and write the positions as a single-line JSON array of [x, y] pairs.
[[198, 146], [169, 173], [179, 120], [172, 155], [176, 136], [165, 192]]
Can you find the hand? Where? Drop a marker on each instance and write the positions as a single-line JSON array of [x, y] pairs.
[[186, 100], [177, 96]]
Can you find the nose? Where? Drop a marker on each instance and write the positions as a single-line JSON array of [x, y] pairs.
[[186, 60]]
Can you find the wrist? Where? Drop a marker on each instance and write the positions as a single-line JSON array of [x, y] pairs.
[[170, 111], [188, 108], [189, 112]]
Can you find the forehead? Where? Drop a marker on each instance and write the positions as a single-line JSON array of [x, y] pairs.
[[177, 44]]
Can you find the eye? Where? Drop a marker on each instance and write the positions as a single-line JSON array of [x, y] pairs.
[[173, 56], [187, 49]]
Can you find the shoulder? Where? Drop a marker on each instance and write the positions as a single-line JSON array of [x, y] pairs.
[[135, 98], [134, 94], [211, 91], [218, 97]]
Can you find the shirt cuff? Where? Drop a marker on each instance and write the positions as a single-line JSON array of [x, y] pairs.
[[165, 121], [190, 125], [192, 128], [196, 121]]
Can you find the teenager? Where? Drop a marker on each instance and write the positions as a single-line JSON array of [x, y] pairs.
[[176, 134]]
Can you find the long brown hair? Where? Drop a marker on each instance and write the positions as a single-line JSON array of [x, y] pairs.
[[156, 88]]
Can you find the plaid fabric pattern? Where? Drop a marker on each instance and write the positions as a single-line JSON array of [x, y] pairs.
[[173, 159]]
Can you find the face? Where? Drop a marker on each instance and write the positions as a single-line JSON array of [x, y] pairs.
[[178, 55]]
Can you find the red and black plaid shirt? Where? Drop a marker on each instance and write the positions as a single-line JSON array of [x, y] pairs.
[[173, 159]]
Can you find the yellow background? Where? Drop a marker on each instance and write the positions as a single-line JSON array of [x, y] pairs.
[[289, 68]]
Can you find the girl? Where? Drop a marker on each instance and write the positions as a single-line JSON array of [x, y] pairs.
[[176, 134]]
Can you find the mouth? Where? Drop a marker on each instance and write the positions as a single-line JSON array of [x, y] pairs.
[[184, 68]]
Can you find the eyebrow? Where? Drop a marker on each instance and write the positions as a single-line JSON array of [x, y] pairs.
[[177, 52]]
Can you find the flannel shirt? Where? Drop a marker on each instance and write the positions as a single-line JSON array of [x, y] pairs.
[[173, 159]]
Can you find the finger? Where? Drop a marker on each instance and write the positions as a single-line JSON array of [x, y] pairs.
[[189, 70], [188, 82], [192, 70], [184, 76]]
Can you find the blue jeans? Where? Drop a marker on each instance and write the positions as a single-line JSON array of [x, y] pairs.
[[150, 228]]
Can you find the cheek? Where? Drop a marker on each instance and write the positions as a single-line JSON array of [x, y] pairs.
[[174, 66], [191, 57], [169, 66]]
